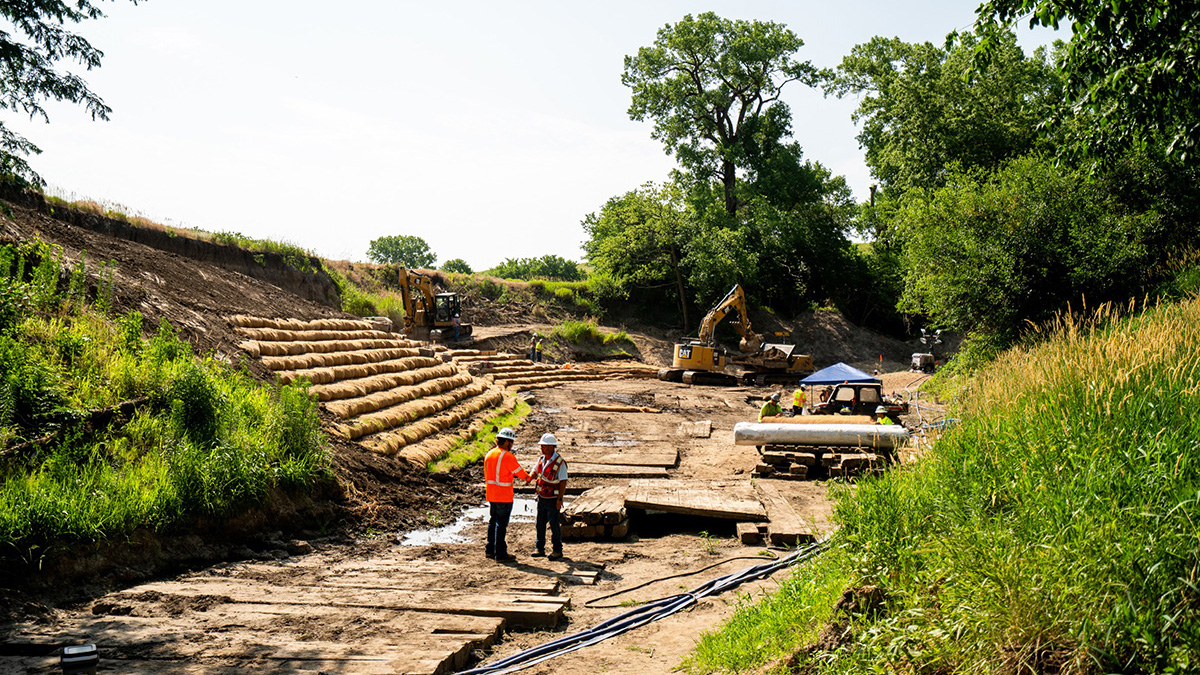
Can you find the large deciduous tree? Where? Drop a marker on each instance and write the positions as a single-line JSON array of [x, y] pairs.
[[401, 249], [637, 240], [709, 84], [923, 111], [992, 252], [1133, 64], [29, 71]]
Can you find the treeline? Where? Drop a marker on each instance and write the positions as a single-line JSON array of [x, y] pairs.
[[1007, 188]]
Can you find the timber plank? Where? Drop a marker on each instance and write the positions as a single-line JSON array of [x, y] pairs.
[[518, 609], [585, 470], [785, 528], [661, 458], [597, 505], [714, 499]]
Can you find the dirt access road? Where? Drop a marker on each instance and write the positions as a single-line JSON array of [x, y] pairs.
[[380, 605]]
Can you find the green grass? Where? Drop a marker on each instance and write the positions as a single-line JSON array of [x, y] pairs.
[[293, 255], [205, 440], [587, 332], [470, 451], [1057, 527], [365, 302]]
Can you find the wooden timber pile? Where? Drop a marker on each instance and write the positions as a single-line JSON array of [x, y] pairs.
[[761, 513], [790, 462], [598, 513], [395, 396]]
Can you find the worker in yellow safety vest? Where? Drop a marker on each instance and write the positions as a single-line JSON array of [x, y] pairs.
[[881, 416], [771, 408], [551, 474], [798, 399], [499, 467]]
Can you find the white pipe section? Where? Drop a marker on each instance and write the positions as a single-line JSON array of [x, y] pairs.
[[877, 436]]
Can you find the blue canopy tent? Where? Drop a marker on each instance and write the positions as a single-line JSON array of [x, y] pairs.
[[837, 374]]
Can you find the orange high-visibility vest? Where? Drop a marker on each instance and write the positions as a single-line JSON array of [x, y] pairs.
[[499, 466], [547, 475]]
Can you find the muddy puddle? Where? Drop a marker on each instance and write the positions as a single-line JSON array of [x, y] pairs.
[[524, 511]]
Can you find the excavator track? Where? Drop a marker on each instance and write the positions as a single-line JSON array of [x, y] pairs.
[[703, 377], [670, 374]]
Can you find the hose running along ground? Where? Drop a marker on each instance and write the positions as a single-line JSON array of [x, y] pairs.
[[640, 616]]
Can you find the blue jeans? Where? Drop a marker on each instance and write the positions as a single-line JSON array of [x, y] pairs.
[[547, 512], [498, 529]]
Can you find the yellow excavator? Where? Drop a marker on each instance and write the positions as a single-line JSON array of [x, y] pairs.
[[702, 361], [429, 315]]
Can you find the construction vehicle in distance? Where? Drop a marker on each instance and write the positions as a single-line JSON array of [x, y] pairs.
[[858, 398], [429, 315], [702, 361], [926, 362]]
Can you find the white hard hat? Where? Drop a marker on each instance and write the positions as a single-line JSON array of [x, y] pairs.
[[548, 439], [507, 433], [881, 410], [775, 397]]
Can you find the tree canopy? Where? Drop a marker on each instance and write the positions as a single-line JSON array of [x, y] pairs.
[[992, 252], [1134, 66], [30, 74], [711, 87], [456, 265], [923, 110], [401, 249], [550, 267]]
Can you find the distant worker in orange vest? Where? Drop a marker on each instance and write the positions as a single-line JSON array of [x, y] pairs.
[[798, 399], [551, 474], [499, 467]]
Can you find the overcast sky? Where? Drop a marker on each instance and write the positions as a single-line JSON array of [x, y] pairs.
[[490, 129]]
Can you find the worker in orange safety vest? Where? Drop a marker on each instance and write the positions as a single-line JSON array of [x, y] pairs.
[[551, 474], [499, 467]]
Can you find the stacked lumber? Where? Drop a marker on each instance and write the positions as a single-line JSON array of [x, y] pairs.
[[395, 396], [808, 462], [596, 514]]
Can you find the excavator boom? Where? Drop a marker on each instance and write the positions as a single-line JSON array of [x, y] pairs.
[[734, 301]]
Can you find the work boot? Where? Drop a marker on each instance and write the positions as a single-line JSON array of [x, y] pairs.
[[539, 553], [557, 555], [507, 557]]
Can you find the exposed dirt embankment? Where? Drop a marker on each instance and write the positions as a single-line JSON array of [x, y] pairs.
[[269, 267]]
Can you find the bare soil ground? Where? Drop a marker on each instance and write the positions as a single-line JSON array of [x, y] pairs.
[[223, 618]]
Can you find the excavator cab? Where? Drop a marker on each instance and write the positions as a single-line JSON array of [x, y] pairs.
[[426, 314], [445, 306]]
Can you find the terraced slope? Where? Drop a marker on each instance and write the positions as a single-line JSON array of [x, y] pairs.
[[394, 396], [520, 374]]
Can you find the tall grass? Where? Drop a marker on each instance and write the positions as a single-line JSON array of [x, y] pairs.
[[366, 302], [1056, 528], [293, 255], [204, 440]]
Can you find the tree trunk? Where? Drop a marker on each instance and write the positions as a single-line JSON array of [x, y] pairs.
[[729, 174], [679, 284]]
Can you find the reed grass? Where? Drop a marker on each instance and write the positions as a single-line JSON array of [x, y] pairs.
[[204, 440], [1057, 528]]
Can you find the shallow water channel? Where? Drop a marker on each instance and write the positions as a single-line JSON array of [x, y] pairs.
[[524, 511]]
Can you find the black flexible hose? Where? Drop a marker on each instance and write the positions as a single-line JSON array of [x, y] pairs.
[[651, 611], [623, 591]]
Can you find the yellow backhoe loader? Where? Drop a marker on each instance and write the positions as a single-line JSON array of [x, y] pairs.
[[702, 361], [429, 315]]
